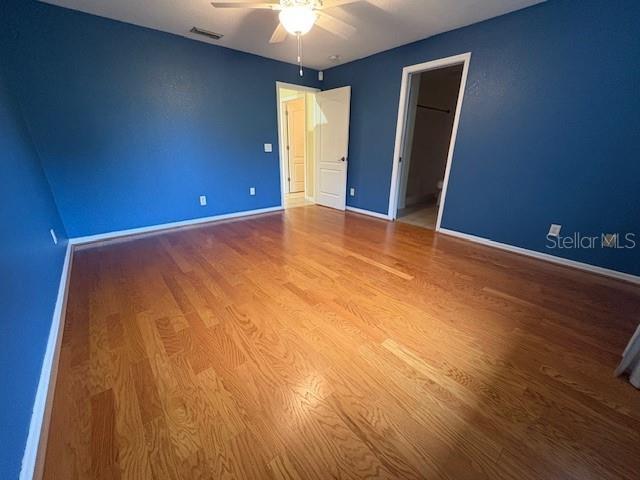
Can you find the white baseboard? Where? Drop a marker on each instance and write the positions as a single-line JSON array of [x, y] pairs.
[[33, 459], [168, 226], [544, 256], [361, 211]]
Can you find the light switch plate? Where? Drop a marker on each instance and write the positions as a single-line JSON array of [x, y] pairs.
[[352, 192], [268, 148], [203, 200], [554, 230]]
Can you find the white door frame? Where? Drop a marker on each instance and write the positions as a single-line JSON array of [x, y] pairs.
[[281, 149], [463, 59]]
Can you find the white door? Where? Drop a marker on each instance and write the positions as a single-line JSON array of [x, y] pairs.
[[333, 128]]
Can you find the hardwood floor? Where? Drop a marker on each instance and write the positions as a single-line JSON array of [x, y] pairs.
[[315, 344]]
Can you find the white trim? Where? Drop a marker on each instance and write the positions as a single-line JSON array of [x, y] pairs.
[[544, 256], [281, 154], [301, 88], [367, 212], [407, 140], [167, 226], [463, 59], [35, 448]]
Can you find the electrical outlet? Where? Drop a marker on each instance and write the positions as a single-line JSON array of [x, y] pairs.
[[268, 148], [554, 230], [203, 200], [352, 192], [53, 235], [252, 190]]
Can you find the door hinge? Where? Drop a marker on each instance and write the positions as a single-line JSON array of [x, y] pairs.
[[399, 159]]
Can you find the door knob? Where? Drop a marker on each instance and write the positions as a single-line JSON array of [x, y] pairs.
[[342, 159]]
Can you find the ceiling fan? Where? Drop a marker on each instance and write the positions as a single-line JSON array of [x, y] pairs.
[[297, 17]]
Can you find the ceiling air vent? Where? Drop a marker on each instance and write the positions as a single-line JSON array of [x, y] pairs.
[[206, 33]]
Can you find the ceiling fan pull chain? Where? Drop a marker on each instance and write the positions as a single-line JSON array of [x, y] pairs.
[[300, 52]]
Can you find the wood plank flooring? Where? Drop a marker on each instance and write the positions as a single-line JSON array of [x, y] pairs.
[[314, 344]]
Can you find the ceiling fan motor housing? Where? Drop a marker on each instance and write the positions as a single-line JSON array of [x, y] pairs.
[[301, 3]]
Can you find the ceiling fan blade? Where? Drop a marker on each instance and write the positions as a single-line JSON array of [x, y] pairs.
[[337, 3], [268, 5], [279, 34], [335, 25]]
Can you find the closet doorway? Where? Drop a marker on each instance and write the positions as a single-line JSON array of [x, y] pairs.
[[431, 98]]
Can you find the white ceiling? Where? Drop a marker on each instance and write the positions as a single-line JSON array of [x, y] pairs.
[[381, 24]]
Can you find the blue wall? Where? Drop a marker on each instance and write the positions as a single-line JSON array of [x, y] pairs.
[[132, 124], [128, 126], [549, 130], [30, 267]]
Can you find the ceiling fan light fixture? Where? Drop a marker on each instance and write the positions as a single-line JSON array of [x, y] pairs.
[[297, 19]]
